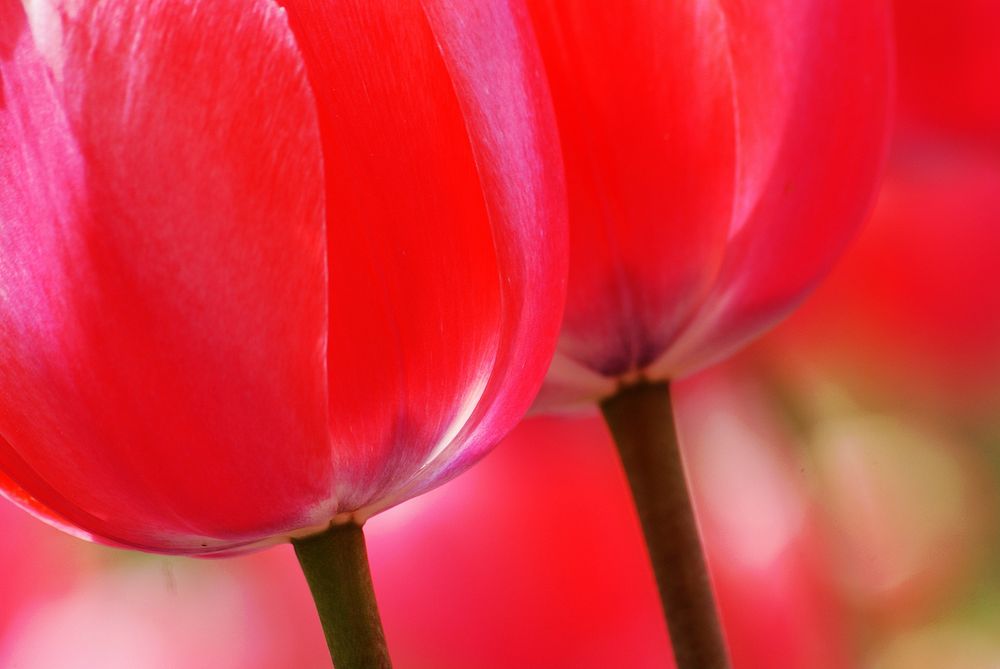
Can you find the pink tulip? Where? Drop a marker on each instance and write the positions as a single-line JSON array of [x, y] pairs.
[[719, 155], [266, 265]]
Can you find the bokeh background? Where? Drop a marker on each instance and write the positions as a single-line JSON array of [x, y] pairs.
[[846, 470]]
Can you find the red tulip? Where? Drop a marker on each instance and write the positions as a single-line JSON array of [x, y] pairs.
[[264, 265], [719, 156]]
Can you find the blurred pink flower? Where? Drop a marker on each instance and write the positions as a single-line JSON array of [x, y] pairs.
[[37, 563], [162, 614]]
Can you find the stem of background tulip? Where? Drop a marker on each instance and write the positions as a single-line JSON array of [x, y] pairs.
[[642, 422], [335, 564]]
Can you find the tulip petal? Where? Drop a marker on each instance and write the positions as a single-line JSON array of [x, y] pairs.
[[20, 497], [643, 96], [571, 388], [498, 75], [162, 259], [813, 88], [437, 207]]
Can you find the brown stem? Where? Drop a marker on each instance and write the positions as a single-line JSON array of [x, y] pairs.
[[642, 423], [335, 564]]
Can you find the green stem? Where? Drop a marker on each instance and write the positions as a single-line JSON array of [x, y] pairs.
[[335, 564], [641, 420]]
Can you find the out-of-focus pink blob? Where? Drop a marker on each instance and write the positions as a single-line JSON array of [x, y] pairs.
[[37, 563], [532, 559], [763, 534]]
